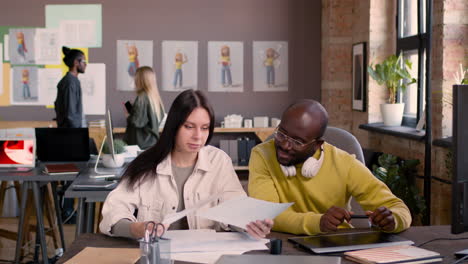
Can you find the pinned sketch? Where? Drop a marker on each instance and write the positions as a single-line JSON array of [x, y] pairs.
[[6, 45], [132, 54], [48, 80], [48, 46], [79, 25], [270, 66], [179, 65], [25, 87], [22, 45], [93, 89], [5, 95], [1, 69], [225, 66]]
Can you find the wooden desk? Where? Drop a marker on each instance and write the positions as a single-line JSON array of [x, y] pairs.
[[32, 180], [419, 234]]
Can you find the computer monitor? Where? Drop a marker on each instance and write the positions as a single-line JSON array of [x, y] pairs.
[[109, 135], [62, 144], [17, 153], [17, 148], [460, 160]]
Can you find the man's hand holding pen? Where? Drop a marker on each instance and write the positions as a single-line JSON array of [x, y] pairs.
[[382, 217]]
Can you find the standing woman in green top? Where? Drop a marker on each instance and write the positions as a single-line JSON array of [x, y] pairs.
[[147, 111]]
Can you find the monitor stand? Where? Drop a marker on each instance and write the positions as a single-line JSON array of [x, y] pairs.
[[102, 173]]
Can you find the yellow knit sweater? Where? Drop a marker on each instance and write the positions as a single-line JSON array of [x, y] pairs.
[[340, 177]]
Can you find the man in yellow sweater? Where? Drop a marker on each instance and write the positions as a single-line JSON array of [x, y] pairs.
[[327, 178]]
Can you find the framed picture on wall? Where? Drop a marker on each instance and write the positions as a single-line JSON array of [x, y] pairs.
[[359, 76]]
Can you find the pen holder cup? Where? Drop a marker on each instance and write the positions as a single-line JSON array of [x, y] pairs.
[[155, 252]]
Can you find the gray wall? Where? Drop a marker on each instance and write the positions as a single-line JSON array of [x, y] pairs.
[[296, 21]]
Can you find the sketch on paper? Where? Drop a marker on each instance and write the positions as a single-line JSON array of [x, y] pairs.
[[48, 80], [22, 45], [93, 89], [25, 86], [132, 54], [225, 66], [48, 46], [270, 66], [179, 65]]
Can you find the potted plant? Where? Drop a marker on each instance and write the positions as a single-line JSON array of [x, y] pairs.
[[400, 176], [393, 73], [107, 159]]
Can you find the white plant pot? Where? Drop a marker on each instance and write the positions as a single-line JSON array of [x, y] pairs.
[[392, 114], [109, 162]]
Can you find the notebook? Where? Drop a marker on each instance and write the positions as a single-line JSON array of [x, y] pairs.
[[394, 254], [56, 169], [340, 241]]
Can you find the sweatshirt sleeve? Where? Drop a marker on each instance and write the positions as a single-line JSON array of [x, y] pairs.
[[261, 186], [371, 193]]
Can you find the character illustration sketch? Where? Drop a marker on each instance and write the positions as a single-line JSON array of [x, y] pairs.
[[225, 61], [271, 55], [22, 50], [133, 62], [180, 59], [25, 82]]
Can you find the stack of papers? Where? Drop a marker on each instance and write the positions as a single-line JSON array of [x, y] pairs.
[[207, 246]]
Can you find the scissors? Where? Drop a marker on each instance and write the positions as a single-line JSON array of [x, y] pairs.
[[151, 231]]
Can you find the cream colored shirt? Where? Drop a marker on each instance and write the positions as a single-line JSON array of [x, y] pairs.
[[157, 197]]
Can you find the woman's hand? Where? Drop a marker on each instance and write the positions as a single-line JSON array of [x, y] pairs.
[[137, 229], [259, 229]]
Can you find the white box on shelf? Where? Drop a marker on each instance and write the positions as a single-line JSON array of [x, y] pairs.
[[261, 121]]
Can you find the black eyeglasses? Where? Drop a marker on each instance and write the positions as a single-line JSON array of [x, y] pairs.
[[296, 144]]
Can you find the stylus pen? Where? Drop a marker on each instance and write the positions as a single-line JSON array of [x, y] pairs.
[[359, 216]]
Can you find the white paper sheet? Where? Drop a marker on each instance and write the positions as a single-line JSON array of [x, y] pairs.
[[78, 33], [243, 210], [48, 80], [1, 69], [6, 51], [93, 89], [190, 241], [47, 46], [203, 257], [171, 218]]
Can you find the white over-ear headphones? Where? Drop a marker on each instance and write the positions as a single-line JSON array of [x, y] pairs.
[[310, 168]]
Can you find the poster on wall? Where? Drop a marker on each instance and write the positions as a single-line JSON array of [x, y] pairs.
[[270, 66], [225, 66], [132, 54], [25, 86], [48, 80], [22, 45], [6, 51], [48, 46], [93, 89], [79, 25], [1, 69], [179, 65], [5, 95], [359, 76]]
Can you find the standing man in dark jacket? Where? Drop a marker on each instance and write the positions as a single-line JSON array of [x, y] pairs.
[[69, 106], [69, 103]]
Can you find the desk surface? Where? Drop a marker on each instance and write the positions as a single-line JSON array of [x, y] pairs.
[[37, 174], [418, 234]]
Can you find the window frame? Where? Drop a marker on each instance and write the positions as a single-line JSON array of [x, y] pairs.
[[414, 42]]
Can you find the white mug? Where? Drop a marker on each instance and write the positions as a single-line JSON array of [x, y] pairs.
[[248, 123]]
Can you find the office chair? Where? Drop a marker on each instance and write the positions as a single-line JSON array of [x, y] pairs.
[[344, 140]]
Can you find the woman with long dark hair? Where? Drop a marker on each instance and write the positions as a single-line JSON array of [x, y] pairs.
[[176, 173]]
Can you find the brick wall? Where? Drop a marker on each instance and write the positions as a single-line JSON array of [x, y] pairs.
[[345, 22]]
